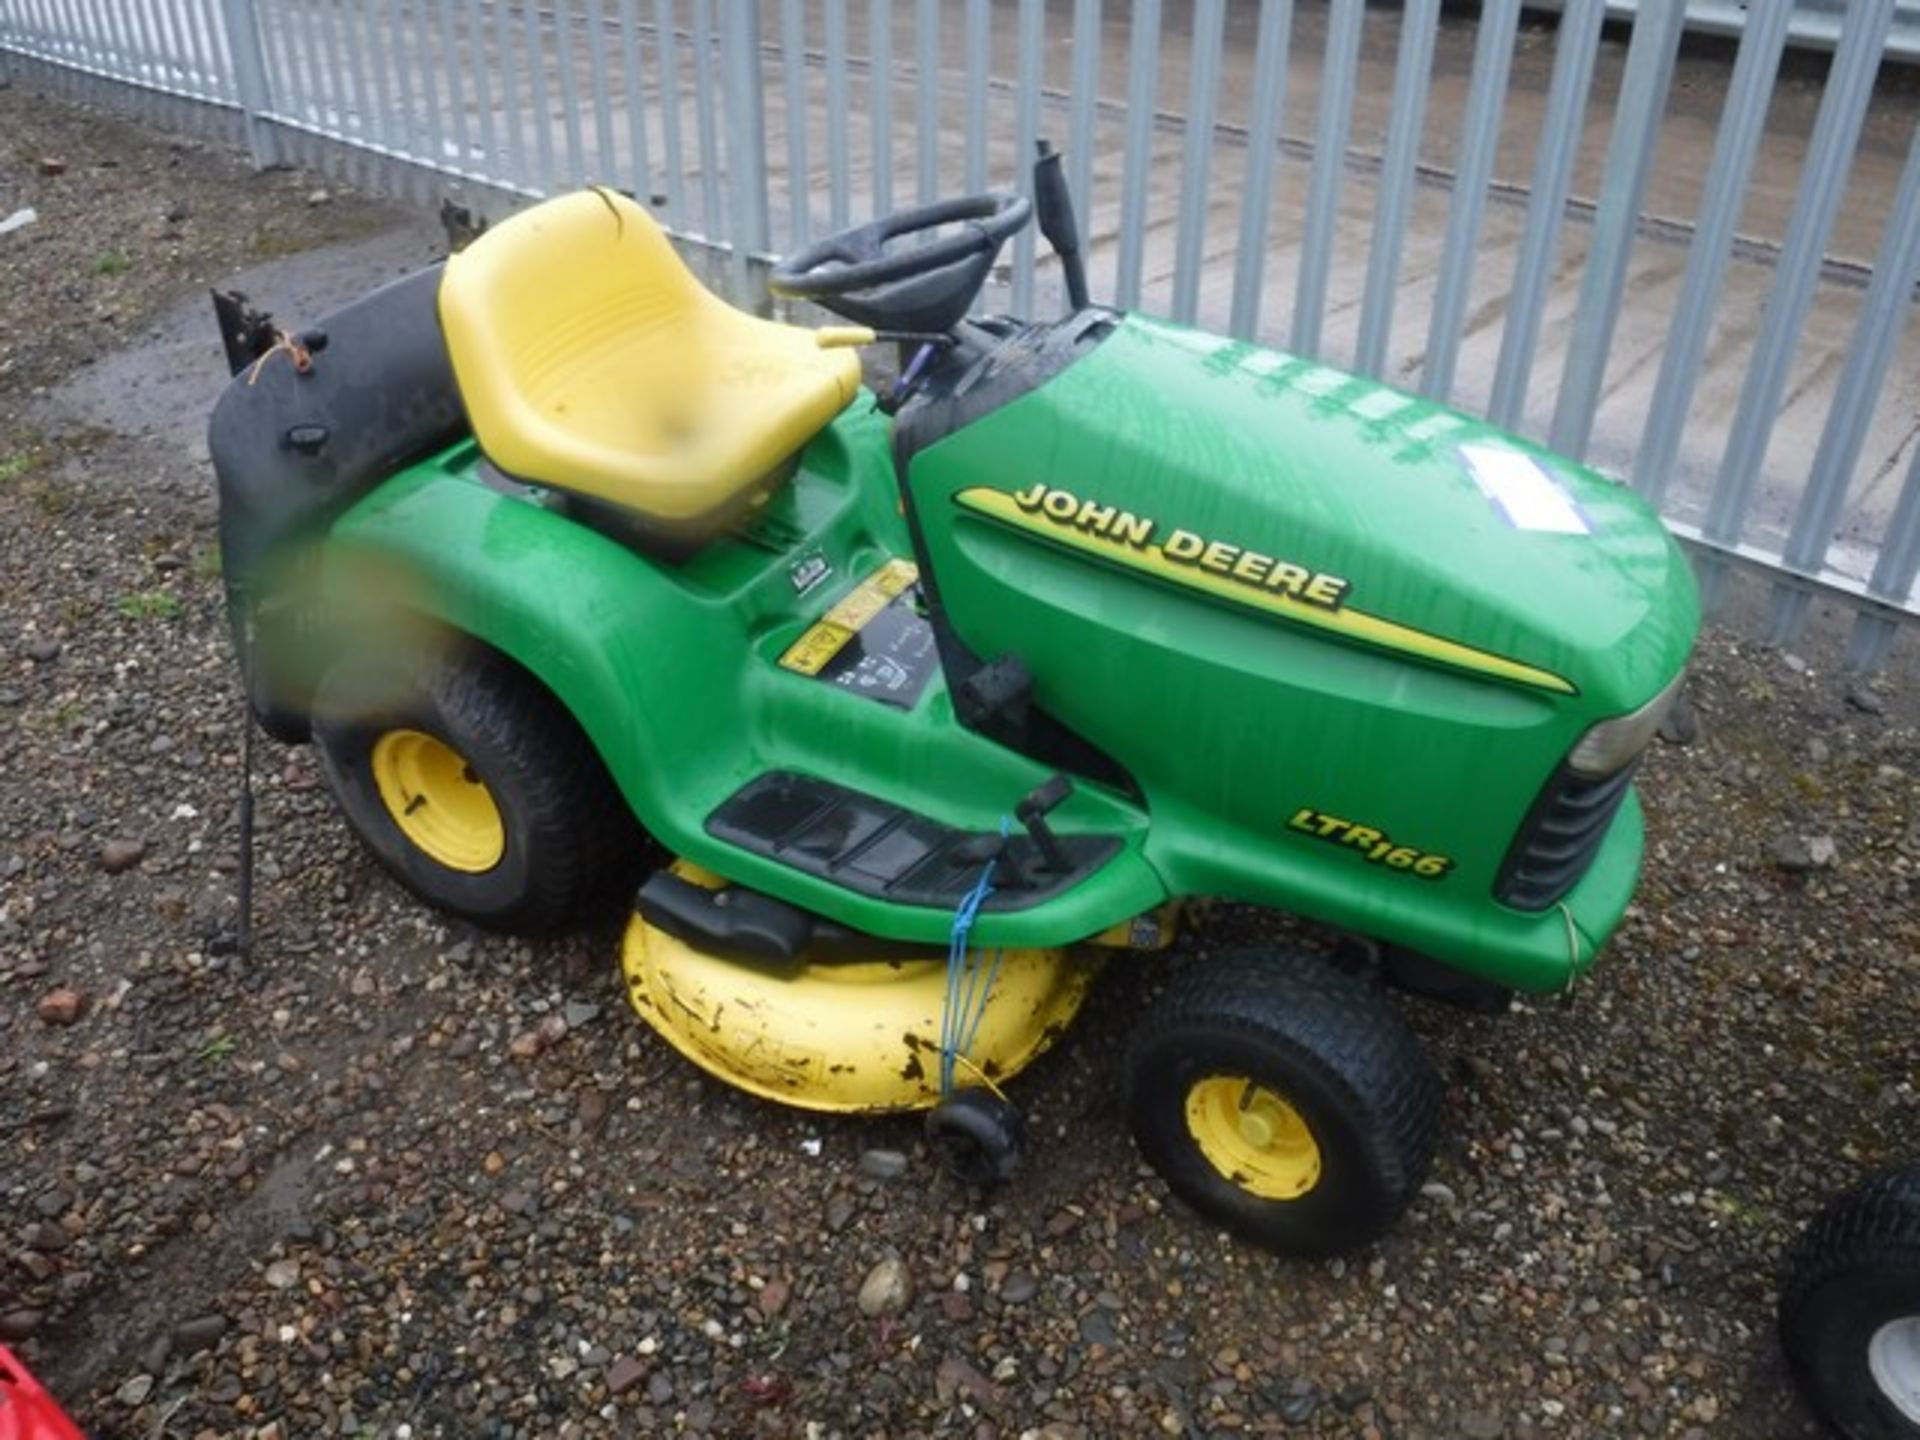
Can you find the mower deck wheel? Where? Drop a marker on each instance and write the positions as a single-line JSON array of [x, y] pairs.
[[1284, 1100], [473, 786], [978, 1138], [1850, 1309]]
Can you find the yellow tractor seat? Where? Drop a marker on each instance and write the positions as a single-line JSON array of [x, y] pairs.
[[590, 359]]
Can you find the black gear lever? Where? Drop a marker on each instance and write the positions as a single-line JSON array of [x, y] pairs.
[[1032, 812]]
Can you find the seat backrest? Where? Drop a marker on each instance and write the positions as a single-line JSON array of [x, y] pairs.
[[526, 302]]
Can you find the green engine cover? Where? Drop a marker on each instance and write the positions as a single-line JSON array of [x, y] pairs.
[[1340, 636]]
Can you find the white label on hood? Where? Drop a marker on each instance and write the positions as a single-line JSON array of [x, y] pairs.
[[1523, 490]]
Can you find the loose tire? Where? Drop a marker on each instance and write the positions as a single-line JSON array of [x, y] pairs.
[[1285, 1101], [473, 786], [1850, 1309]]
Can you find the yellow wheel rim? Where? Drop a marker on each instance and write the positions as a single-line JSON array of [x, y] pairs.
[[440, 805], [1251, 1135]]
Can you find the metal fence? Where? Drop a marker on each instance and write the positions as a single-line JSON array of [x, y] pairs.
[[1706, 289]]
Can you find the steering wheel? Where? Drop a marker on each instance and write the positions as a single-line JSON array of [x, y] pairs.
[[858, 262]]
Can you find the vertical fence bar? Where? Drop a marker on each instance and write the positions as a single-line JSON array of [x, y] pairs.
[[1329, 165], [398, 50], [880, 30], [483, 91], [1577, 44], [1492, 60], [705, 131], [1086, 89], [291, 95], [460, 131], [113, 24], [212, 35], [926, 41], [312, 77], [1030, 41], [1742, 123], [168, 54], [746, 140], [146, 48], [1883, 315], [979, 38], [1836, 129], [76, 25], [513, 116], [1143, 75], [366, 119], [542, 114], [53, 34], [421, 29], [1263, 131], [639, 161], [606, 162], [674, 161], [89, 29], [1894, 572], [336, 70], [880, 62], [383, 117], [569, 83], [1419, 23], [793, 64], [1203, 85], [839, 120], [1636, 131], [250, 79]]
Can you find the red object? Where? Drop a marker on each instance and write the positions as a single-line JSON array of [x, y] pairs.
[[27, 1411]]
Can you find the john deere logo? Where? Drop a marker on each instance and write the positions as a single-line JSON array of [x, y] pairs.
[[1181, 547], [1234, 574]]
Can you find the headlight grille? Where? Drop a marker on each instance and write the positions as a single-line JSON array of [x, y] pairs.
[[1560, 837]]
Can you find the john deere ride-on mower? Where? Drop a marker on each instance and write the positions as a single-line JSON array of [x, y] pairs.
[[929, 698]]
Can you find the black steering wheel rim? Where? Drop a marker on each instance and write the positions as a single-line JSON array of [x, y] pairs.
[[853, 260]]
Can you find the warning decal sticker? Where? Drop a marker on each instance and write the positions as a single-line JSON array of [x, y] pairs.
[[873, 641]]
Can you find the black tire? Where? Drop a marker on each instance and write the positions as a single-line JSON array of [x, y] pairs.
[[1854, 1271], [1329, 1045], [570, 843]]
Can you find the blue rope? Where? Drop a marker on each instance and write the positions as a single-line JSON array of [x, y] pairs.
[[965, 1004]]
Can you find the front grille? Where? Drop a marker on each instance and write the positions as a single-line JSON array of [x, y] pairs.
[[1560, 837]]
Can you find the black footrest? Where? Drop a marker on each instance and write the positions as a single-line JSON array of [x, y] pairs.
[[882, 850]]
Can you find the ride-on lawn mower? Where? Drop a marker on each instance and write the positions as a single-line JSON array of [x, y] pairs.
[[938, 694]]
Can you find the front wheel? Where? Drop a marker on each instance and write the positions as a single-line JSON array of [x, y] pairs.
[[1850, 1310], [468, 780], [1285, 1101]]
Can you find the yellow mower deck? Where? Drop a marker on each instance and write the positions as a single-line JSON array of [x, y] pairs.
[[846, 1036]]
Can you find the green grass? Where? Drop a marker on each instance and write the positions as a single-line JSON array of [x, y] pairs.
[[112, 262], [149, 605], [206, 562], [13, 466], [216, 1049]]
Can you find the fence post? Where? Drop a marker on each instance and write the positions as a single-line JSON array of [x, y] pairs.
[[253, 87], [746, 136]]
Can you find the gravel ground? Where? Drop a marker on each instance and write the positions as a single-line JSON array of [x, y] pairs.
[[319, 1195]]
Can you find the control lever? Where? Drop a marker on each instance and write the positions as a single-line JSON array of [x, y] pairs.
[[1032, 812]]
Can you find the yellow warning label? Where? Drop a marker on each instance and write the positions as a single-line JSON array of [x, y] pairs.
[[828, 635]]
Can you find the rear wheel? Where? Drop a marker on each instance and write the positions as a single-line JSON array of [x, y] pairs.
[[473, 786], [1285, 1101], [1850, 1310]]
